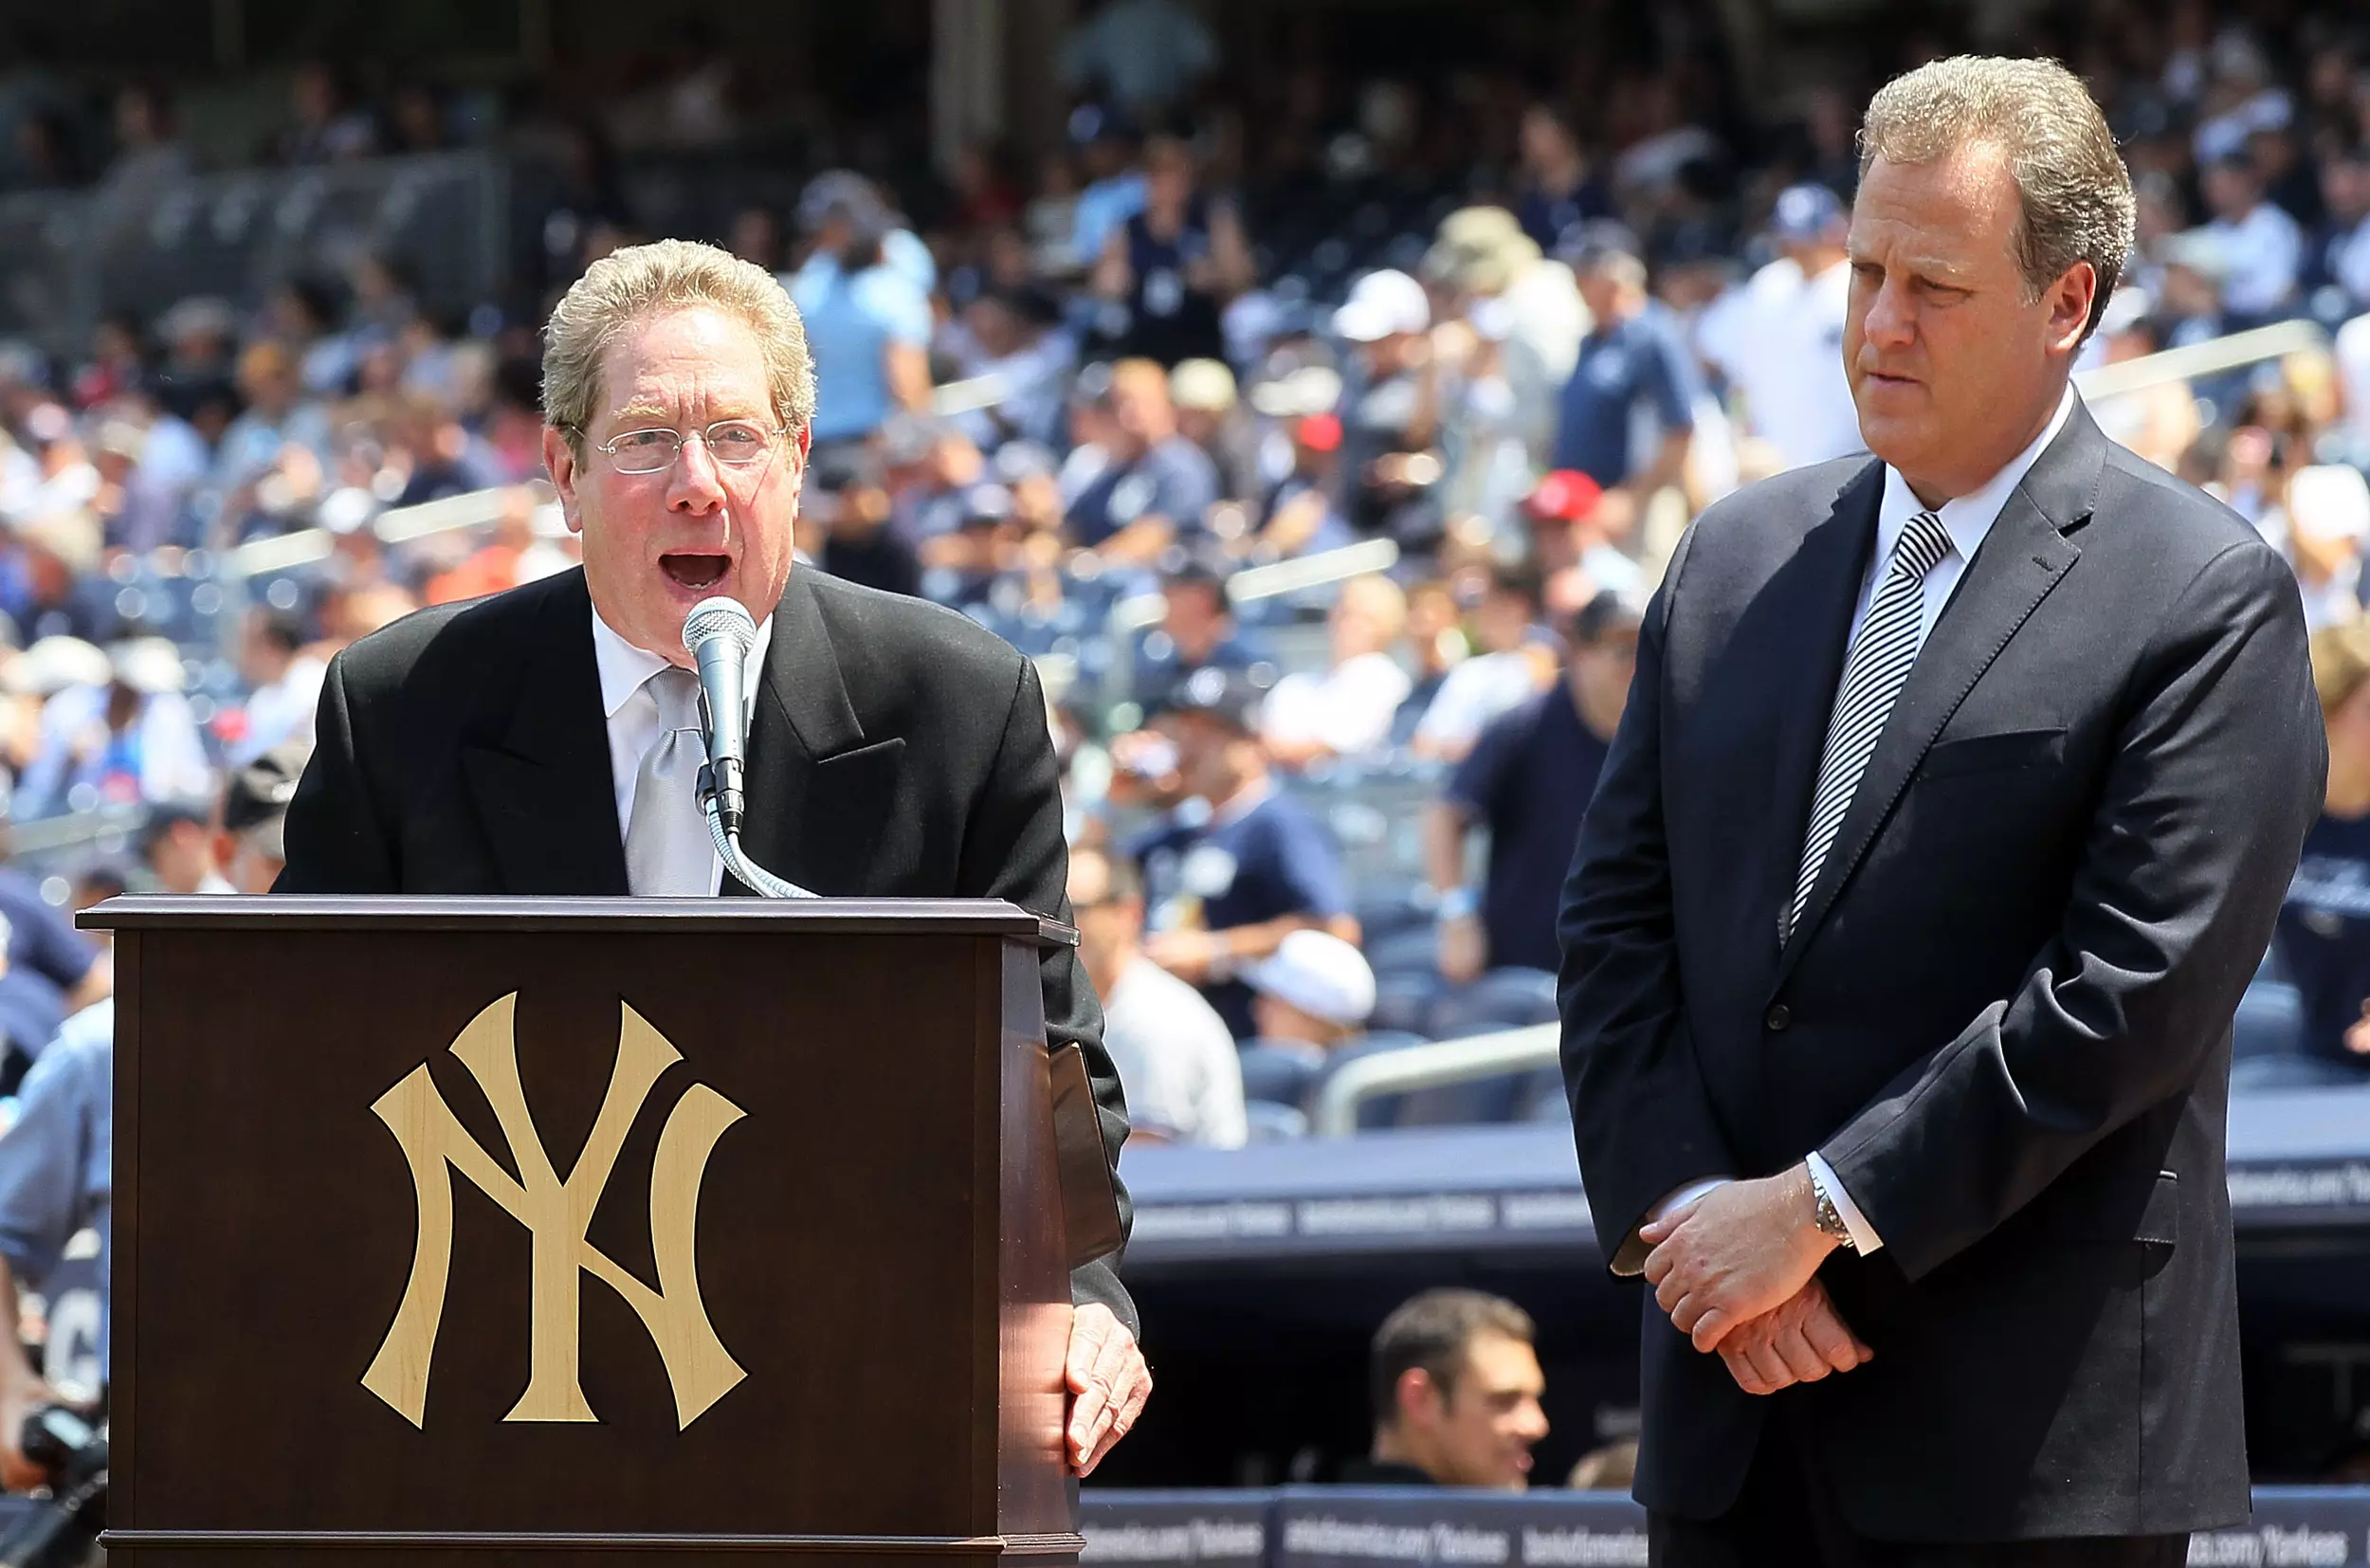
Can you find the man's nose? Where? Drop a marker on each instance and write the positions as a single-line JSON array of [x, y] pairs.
[[695, 483], [1891, 319]]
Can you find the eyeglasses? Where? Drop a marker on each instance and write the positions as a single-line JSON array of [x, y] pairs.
[[733, 443]]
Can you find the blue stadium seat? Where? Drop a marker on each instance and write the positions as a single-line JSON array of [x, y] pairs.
[[1501, 999], [2271, 1022], [1403, 1002], [1414, 951], [1276, 1075], [1391, 908], [1269, 1122], [1382, 1111]]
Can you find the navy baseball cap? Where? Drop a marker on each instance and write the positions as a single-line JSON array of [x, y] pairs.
[[1805, 213]]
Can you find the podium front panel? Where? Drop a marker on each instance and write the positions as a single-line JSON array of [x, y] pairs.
[[791, 1277]]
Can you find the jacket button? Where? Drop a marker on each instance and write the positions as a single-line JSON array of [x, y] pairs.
[[1778, 1018]]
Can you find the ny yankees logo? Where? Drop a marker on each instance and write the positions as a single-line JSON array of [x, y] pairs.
[[557, 1215]]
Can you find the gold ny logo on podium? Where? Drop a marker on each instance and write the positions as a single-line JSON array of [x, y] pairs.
[[557, 1215]]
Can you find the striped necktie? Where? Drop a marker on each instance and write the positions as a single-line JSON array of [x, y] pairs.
[[1872, 679]]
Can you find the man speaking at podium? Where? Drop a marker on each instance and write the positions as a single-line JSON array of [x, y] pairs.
[[546, 740]]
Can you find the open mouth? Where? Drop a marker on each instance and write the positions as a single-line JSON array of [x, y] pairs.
[[693, 571]]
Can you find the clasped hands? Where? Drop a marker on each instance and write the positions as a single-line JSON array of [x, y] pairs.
[[1736, 1269]]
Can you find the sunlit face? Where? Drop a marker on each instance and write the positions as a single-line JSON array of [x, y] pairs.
[[1953, 370], [656, 544]]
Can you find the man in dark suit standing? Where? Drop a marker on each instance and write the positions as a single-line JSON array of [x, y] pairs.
[[546, 739], [1949, 817]]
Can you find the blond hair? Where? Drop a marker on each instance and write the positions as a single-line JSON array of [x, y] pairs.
[[2073, 194], [2341, 662], [636, 281]]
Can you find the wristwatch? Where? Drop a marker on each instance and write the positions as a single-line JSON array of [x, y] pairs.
[[1829, 1219]]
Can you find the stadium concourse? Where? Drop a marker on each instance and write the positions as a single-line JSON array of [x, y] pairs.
[[1320, 429]]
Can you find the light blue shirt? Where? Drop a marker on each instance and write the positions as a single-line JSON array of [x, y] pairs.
[[1101, 208], [56, 1160], [851, 323]]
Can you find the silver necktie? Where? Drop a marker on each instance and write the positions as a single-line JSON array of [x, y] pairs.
[[1873, 675], [668, 853]]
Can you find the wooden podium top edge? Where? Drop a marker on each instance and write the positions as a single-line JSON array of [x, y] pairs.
[[345, 912]]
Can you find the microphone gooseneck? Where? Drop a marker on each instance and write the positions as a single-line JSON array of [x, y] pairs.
[[718, 634]]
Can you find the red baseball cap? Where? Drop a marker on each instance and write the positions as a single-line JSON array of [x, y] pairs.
[[1320, 432], [1565, 496]]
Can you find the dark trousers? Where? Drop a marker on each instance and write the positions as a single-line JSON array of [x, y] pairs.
[[1786, 1518]]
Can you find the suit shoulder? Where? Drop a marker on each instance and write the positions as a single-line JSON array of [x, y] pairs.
[[2168, 516]]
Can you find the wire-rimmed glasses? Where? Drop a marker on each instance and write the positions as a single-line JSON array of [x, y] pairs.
[[733, 443]]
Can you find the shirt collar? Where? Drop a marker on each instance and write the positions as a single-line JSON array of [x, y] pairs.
[[1966, 518], [624, 668]]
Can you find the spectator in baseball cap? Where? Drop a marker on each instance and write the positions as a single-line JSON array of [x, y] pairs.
[[1572, 543], [178, 846], [1633, 375], [1225, 885], [251, 846], [1390, 409], [1301, 515], [1312, 994], [1197, 631], [1527, 780]]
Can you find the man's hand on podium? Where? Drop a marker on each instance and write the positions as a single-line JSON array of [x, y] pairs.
[[1109, 1384]]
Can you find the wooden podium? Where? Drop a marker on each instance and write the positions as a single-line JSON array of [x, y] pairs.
[[665, 1232]]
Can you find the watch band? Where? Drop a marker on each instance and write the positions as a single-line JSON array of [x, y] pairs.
[[1829, 1219]]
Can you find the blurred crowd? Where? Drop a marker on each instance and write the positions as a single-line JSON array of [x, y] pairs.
[[1322, 436]]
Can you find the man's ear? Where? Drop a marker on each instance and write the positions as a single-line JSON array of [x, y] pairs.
[[1418, 1399], [560, 458], [2069, 302]]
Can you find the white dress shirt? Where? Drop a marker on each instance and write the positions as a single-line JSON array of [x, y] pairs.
[[1967, 520], [632, 710]]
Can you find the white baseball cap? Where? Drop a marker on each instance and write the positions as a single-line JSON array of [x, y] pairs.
[[1318, 974], [1382, 304]]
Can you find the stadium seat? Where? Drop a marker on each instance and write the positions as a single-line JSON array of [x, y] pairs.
[[1405, 951], [2270, 1023], [1501, 999], [1276, 1075], [1382, 1111], [1269, 1122], [1403, 1001], [1391, 908]]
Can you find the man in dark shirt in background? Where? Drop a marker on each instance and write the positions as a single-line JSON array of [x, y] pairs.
[[1527, 780], [1456, 1387], [1240, 864], [1627, 416], [1197, 631], [1154, 486]]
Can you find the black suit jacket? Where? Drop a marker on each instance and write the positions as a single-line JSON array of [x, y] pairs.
[[2005, 1015], [899, 751]]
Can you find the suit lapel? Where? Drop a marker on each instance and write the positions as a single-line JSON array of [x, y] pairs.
[[543, 791], [2020, 560], [817, 792], [1821, 585]]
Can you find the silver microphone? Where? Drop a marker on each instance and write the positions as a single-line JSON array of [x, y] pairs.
[[718, 634]]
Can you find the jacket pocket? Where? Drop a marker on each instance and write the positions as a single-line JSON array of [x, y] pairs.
[[1995, 752], [2124, 1208]]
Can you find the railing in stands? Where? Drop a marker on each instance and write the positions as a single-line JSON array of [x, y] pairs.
[[1430, 1066], [2227, 353]]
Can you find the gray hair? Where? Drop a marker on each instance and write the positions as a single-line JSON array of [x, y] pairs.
[[638, 280], [2074, 193]]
